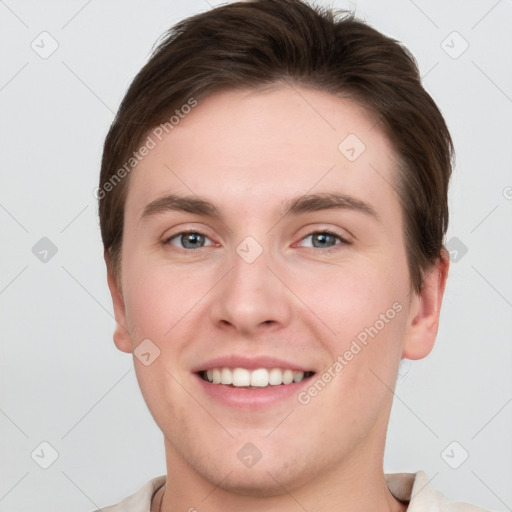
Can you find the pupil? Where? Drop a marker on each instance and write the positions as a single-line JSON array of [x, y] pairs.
[[323, 238], [190, 239]]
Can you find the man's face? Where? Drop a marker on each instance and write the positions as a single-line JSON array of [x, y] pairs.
[[308, 287]]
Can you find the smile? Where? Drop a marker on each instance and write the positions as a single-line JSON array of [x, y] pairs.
[[257, 378]]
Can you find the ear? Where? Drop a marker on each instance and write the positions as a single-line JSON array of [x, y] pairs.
[[425, 309], [122, 338]]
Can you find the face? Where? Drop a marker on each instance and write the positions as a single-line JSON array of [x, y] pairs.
[[293, 258]]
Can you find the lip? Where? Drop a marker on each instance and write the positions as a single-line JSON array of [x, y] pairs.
[[252, 399], [250, 363]]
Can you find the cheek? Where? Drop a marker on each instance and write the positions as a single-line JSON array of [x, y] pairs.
[[367, 314], [157, 296], [363, 310], [145, 307], [347, 297]]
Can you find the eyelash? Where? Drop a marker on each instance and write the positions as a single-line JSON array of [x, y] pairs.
[[334, 248]]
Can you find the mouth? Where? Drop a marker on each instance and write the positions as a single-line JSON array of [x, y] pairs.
[[258, 378], [252, 384]]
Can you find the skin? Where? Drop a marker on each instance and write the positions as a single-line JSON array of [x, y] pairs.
[[247, 151]]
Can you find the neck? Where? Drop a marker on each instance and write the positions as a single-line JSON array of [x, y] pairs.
[[356, 485]]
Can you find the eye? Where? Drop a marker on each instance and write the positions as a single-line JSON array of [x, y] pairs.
[[325, 240], [187, 240], [190, 240]]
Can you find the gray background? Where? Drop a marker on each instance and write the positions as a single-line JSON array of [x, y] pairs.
[[63, 382]]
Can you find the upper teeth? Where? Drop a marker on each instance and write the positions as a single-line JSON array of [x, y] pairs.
[[261, 377]]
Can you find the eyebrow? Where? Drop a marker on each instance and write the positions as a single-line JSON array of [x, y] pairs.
[[294, 206]]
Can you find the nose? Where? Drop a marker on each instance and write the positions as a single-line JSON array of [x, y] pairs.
[[251, 297]]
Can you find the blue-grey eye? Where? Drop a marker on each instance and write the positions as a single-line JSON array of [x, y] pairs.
[[188, 240], [322, 239]]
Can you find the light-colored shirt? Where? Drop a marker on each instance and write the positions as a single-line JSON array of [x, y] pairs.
[[412, 488]]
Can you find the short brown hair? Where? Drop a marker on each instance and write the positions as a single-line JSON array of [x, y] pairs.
[[258, 43]]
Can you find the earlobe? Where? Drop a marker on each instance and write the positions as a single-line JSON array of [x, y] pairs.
[[122, 337], [425, 311]]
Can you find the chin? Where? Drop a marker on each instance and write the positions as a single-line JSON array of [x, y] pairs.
[[258, 484], [268, 477]]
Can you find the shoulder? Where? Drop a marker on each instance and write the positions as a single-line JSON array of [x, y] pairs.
[[139, 501], [415, 488]]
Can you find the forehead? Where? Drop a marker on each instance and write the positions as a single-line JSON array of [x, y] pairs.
[[247, 148]]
